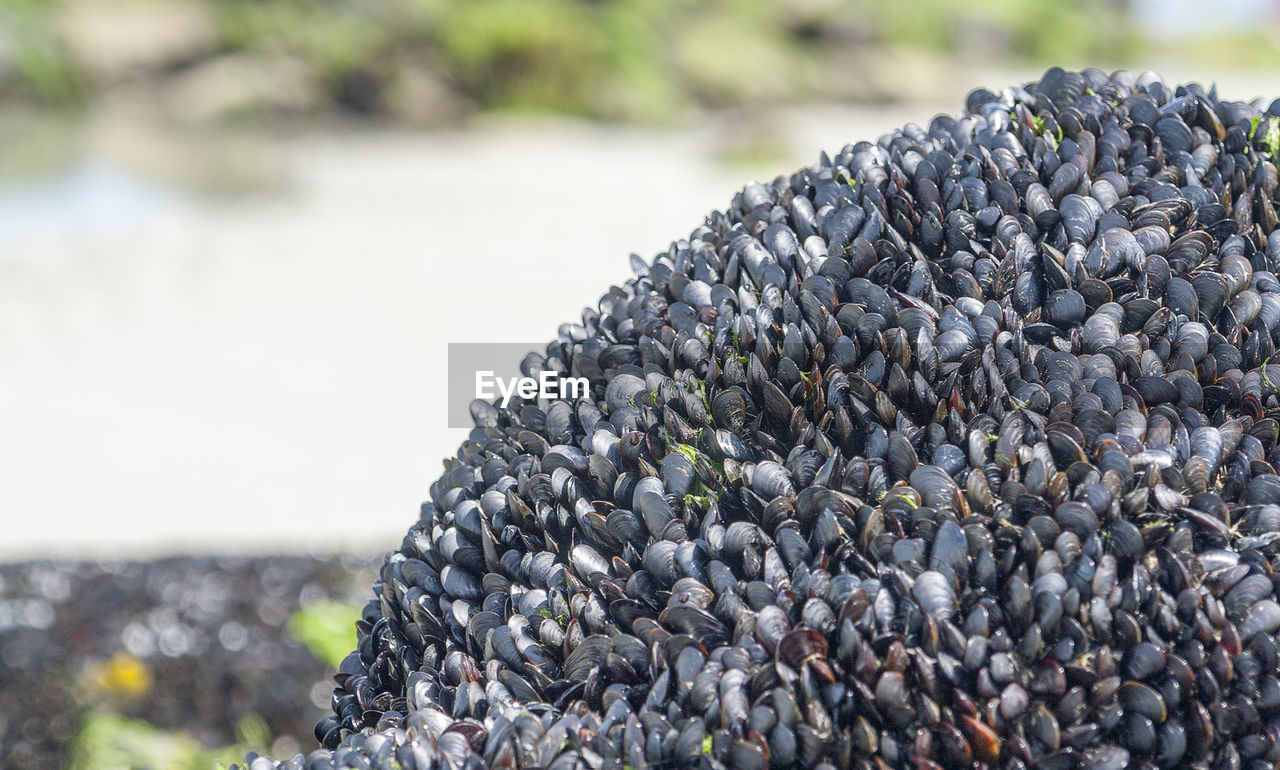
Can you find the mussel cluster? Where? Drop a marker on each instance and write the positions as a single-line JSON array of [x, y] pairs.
[[955, 449]]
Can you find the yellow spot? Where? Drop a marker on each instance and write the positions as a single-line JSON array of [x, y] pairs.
[[123, 676]]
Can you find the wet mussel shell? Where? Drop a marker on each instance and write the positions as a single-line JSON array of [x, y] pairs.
[[954, 449]]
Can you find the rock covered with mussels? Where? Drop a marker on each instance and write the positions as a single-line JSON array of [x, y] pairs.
[[955, 449]]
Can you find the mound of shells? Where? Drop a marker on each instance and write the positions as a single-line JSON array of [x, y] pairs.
[[954, 449]]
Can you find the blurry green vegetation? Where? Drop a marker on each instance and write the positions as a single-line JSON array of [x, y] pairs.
[[40, 58], [109, 741], [645, 60], [613, 59], [105, 740], [1016, 30], [327, 628], [1251, 50]]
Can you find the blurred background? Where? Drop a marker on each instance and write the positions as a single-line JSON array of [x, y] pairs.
[[236, 237]]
